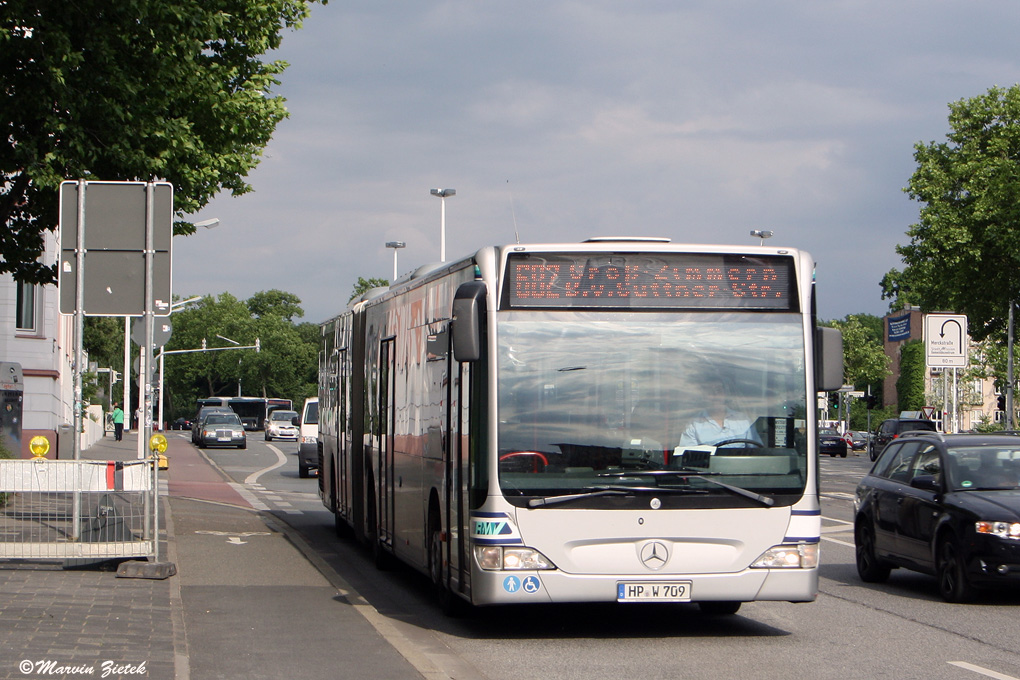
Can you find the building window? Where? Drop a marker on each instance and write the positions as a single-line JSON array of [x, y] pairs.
[[25, 307]]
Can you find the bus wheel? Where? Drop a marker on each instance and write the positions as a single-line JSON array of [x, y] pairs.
[[449, 603], [380, 557], [719, 607]]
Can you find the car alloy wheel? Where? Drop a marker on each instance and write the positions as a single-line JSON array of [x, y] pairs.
[[952, 576], [870, 569]]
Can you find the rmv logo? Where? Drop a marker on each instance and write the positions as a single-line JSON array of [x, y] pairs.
[[491, 528]]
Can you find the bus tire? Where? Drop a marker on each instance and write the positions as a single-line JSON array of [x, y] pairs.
[[449, 603], [380, 557]]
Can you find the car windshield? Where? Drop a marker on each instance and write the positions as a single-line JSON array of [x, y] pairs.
[[586, 396], [223, 419], [283, 415], [827, 431], [984, 467]]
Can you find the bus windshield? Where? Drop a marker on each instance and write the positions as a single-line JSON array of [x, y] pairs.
[[606, 408]]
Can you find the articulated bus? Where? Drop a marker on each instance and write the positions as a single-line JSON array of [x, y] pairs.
[[534, 423]]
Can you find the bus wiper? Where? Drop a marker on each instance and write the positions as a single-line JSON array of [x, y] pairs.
[[552, 500], [610, 491], [689, 473]]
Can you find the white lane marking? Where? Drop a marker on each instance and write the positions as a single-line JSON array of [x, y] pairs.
[[247, 495], [838, 495], [838, 529], [281, 460], [981, 671]]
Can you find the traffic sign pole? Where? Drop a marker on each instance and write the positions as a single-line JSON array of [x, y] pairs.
[[79, 324]]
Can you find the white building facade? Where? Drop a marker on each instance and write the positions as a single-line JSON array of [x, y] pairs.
[[35, 335]]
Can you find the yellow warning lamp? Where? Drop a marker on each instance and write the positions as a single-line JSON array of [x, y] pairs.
[[39, 446], [158, 445]]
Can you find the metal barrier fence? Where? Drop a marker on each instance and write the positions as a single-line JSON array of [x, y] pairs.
[[78, 509]]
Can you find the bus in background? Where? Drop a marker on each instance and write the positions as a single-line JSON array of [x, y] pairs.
[[251, 410], [273, 404], [534, 423]]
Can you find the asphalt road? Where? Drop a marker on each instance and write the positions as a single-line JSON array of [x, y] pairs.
[[901, 629]]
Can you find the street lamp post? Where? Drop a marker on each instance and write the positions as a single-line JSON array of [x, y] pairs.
[[762, 234], [442, 194], [205, 224], [173, 307], [396, 245]]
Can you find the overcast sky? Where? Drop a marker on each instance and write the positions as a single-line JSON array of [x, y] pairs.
[[558, 120]]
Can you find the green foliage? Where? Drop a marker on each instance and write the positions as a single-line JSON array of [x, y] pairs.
[[364, 285], [910, 385], [286, 367], [4, 451], [174, 90], [864, 359], [964, 252], [275, 303], [103, 339]]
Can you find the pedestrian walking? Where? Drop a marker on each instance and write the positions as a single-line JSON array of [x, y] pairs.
[[118, 422]]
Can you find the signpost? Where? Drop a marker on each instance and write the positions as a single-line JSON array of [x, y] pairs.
[[115, 245], [945, 340], [946, 343]]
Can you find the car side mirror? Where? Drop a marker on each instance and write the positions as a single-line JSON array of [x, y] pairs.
[[294, 421], [925, 482]]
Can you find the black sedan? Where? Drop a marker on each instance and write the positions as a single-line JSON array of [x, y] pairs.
[[946, 505], [831, 442]]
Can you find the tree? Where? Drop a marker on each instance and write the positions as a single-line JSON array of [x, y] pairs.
[[174, 90], [286, 366], [864, 359], [275, 303], [964, 253], [865, 364], [364, 285], [910, 384]]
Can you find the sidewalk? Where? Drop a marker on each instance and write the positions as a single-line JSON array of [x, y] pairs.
[[245, 602]]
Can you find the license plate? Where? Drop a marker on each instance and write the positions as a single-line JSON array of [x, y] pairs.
[[653, 591]]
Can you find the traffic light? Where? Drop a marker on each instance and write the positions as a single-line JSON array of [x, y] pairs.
[[1001, 402], [872, 401]]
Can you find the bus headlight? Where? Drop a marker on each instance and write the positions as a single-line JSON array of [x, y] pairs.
[[800, 556], [500, 558]]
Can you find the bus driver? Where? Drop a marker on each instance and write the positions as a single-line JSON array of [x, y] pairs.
[[717, 422]]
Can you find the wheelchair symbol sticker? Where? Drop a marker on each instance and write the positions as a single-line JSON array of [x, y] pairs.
[[530, 585]]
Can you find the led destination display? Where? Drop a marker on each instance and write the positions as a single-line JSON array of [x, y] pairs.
[[656, 280]]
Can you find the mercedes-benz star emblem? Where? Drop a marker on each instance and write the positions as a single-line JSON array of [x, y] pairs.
[[654, 554]]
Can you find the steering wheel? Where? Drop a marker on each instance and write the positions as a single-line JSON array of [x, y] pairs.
[[748, 443]]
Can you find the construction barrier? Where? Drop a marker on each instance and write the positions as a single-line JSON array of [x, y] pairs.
[[77, 509]]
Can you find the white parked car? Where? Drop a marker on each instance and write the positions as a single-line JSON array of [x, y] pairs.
[[282, 425]]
